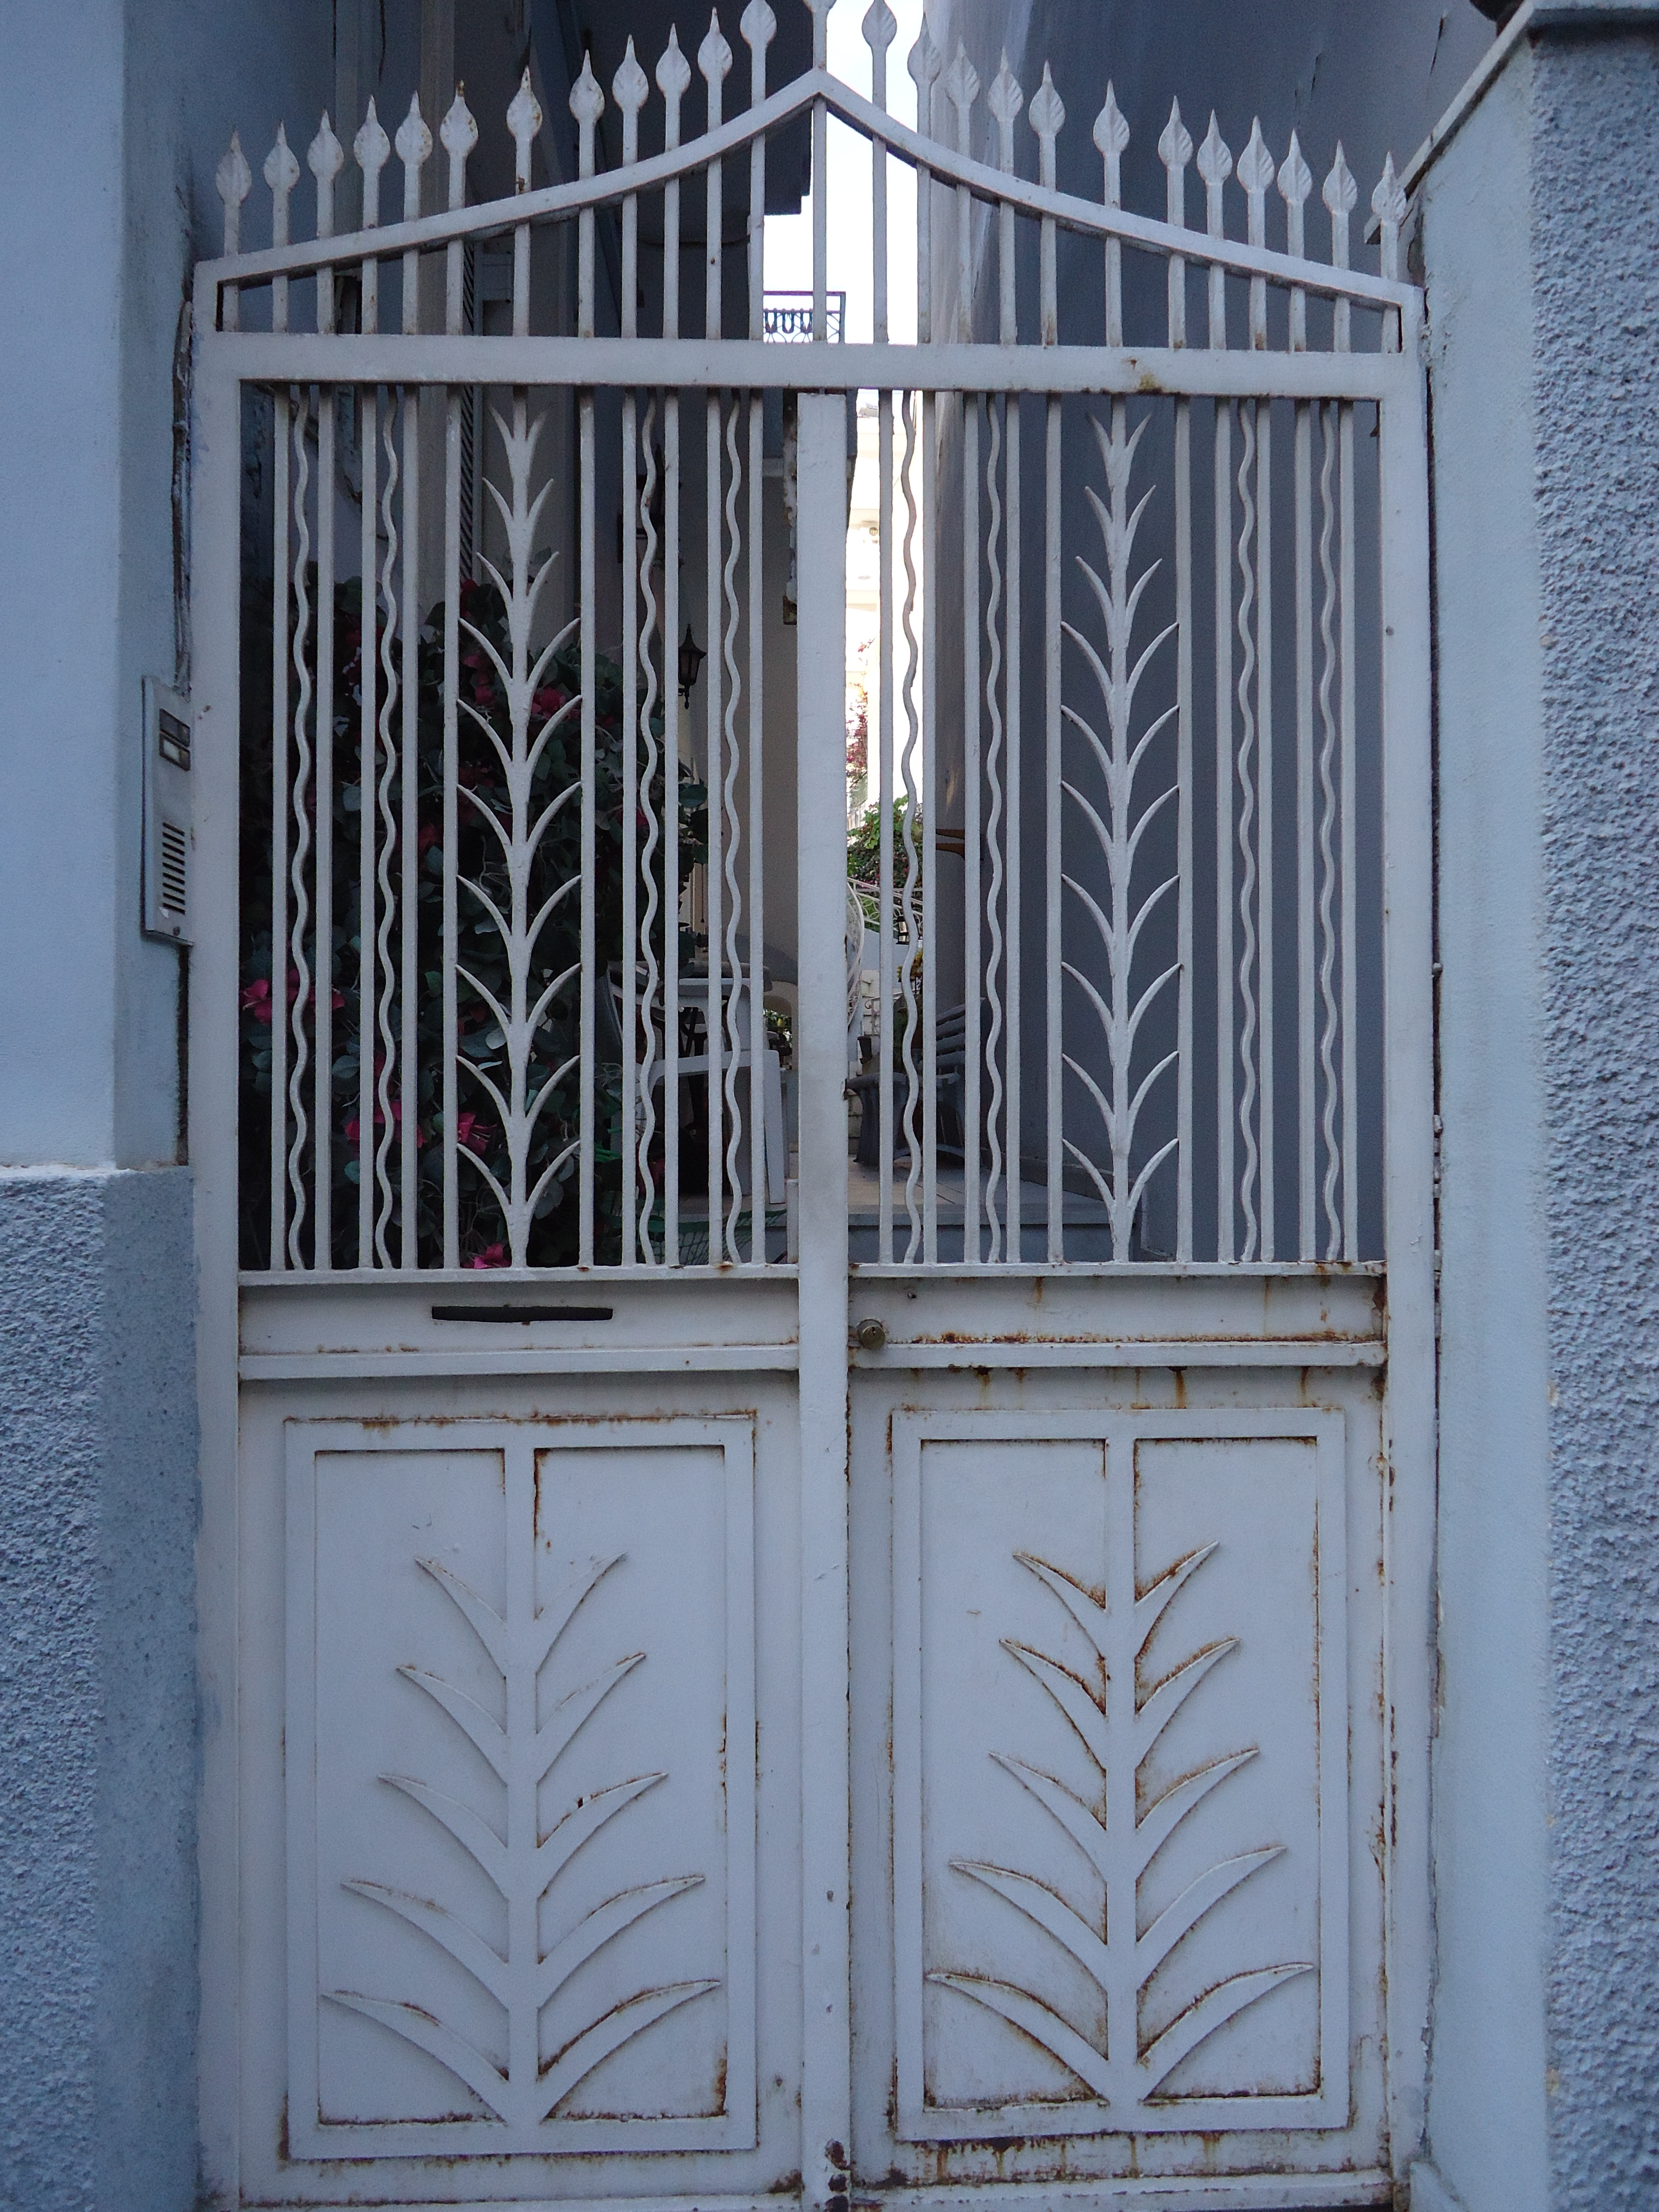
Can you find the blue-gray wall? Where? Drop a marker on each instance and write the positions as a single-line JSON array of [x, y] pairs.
[[97, 1693], [113, 114], [1540, 225]]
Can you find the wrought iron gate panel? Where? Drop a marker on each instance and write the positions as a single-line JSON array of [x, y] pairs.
[[536, 1340]]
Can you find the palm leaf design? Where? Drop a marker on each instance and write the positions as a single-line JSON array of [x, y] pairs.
[[1119, 754], [1118, 1730], [522, 1864]]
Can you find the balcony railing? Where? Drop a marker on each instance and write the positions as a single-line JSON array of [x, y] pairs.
[[788, 316]]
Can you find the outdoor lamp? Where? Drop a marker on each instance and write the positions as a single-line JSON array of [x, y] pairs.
[[692, 657]]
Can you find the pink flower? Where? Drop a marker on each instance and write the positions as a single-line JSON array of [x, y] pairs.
[[549, 699], [428, 838], [493, 1255], [470, 1132], [256, 1000]]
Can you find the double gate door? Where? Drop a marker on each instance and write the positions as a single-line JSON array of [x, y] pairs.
[[816, 1497]]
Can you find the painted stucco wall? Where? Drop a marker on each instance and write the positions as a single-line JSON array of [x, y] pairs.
[[113, 114], [1487, 2110], [1596, 365], [97, 1508], [1544, 303]]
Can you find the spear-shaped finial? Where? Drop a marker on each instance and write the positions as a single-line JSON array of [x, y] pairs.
[[630, 88], [962, 90], [282, 174], [1046, 118], [234, 182], [325, 158], [714, 60], [373, 150], [673, 75], [1004, 101], [1388, 205], [414, 144], [457, 134], [1111, 136], [524, 120]]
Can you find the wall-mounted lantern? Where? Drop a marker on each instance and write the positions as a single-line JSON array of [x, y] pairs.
[[692, 657]]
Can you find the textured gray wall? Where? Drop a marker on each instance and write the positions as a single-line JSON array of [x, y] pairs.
[[98, 1501], [1595, 232], [1543, 281]]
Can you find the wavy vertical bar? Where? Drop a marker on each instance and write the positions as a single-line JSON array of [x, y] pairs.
[[737, 1018], [931, 904], [644, 1249], [409, 831], [1012, 1239], [973, 912], [763, 1172], [323, 966], [629, 979], [301, 836], [282, 494], [1327, 1040], [386, 1050], [715, 812], [368, 685], [1247, 888], [1266, 823], [913, 891], [993, 832], [885, 903], [671, 837], [1227, 1179]]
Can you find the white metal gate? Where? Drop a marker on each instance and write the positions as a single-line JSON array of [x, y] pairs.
[[735, 1668]]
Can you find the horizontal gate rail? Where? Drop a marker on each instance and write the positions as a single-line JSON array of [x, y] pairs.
[[720, 364]]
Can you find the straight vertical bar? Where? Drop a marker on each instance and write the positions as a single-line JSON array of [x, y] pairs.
[[1224, 981], [589, 678], [1350, 855], [1268, 1085], [822, 647], [1051, 838], [323, 1074], [1306, 1170], [973, 410], [1183, 556], [409, 1089], [281, 522], [1012, 839], [453, 403]]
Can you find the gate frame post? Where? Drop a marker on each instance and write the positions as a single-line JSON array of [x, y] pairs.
[[821, 1062], [216, 568], [1408, 1413]]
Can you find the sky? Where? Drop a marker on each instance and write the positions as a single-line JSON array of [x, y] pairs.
[[789, 238]]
